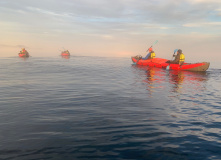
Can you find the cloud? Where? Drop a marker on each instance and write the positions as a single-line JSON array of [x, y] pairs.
[[12, 46], [205, 24], [205, 1], [38, 10], [106, 17], [105, 11]]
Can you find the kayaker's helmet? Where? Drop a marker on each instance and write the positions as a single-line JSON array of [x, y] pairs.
[[150, 49], [179, 51]]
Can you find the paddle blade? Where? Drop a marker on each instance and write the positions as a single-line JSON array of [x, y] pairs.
[[155, 42], [168, 67]]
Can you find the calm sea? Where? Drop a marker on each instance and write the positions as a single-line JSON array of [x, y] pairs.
[[107, 108]]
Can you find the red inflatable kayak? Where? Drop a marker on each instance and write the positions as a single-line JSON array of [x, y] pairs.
[[161, 63], [65, 54], [23, 55]]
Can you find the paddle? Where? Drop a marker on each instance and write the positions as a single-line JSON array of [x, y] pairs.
[[149, 48], [152, 45], [168, 67]]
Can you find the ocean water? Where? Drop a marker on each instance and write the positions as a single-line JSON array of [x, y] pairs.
[[107, 108]]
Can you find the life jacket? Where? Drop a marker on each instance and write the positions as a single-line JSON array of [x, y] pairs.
[[182, 58], [152, 55]]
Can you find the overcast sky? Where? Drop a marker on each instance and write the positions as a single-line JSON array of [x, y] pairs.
[[111, 27]]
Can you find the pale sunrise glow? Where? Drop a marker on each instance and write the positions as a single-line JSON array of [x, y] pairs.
[[117, 28]]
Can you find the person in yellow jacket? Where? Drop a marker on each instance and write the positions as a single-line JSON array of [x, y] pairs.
[[23, 50], [150, 55], [179, 58]]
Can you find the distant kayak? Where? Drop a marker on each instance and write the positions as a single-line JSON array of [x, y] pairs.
[[65, 53], [161, 63], [23, 53]]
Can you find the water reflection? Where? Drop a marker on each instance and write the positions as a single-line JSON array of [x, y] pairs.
[[152, 77], [157, 78], [193, 80], [24, 58], [176, 78], [66, 57]]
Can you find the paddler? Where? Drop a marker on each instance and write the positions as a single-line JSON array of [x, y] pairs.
[[23, 50], [150, 55], [179, 58]]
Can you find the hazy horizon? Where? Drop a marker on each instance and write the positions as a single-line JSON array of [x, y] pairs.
[[116, 28]]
